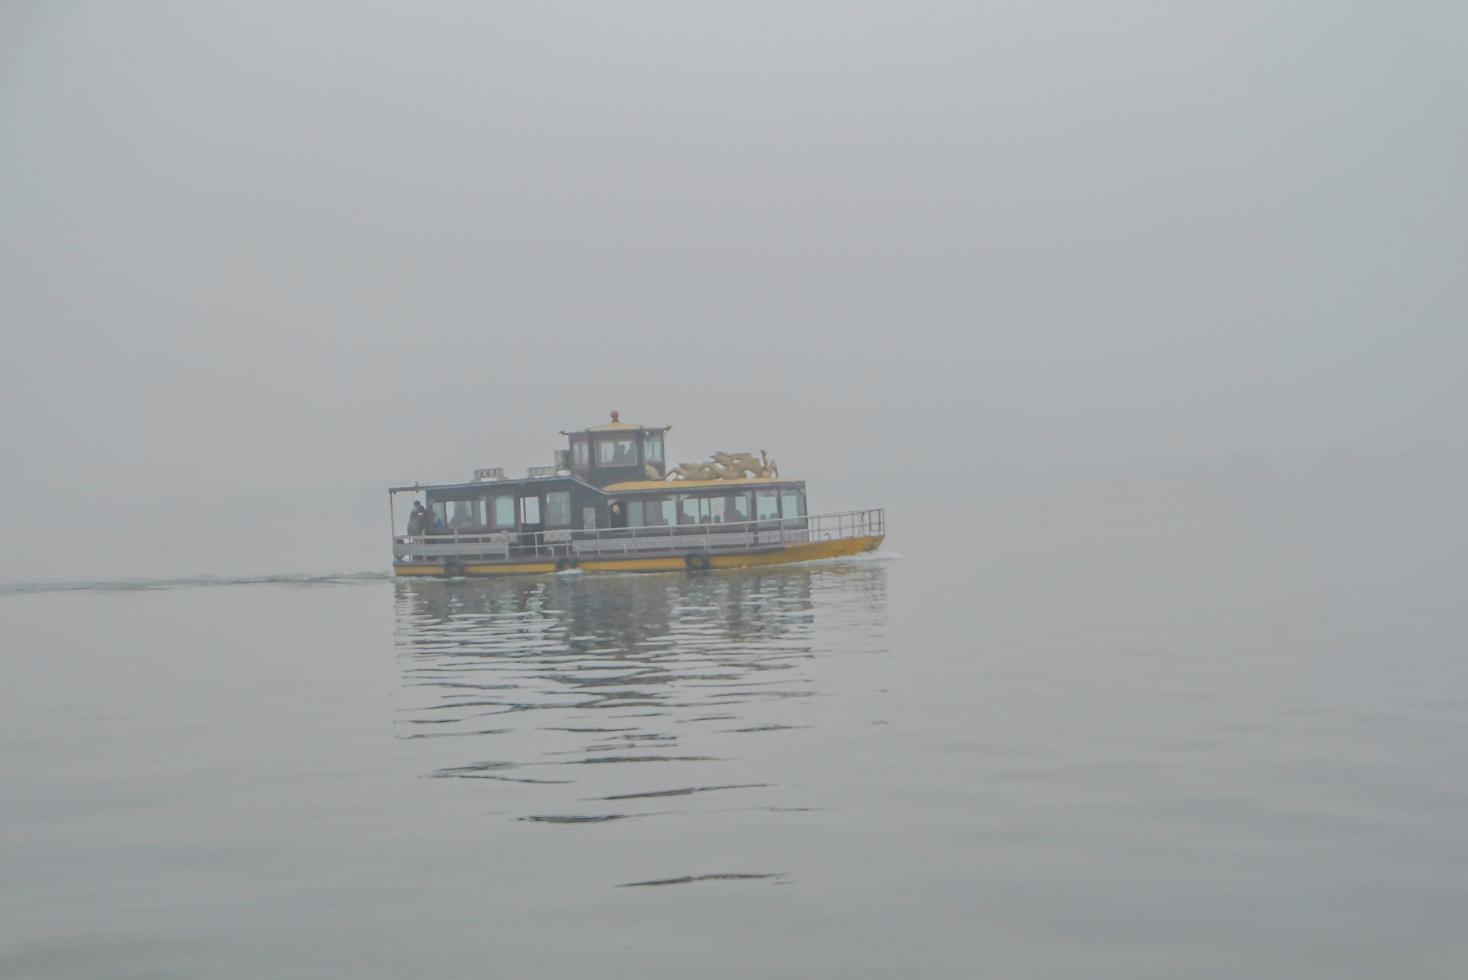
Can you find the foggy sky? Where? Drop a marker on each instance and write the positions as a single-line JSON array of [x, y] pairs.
[[260, 261]]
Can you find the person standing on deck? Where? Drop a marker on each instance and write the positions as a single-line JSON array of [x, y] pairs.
[[417, 523], [417, 520]]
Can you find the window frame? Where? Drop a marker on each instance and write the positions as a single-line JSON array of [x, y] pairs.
[[662, 501], [743, 495], [683, 500], [563, 495], [708, 503], [649, 441], [476, 513], [606, 450]]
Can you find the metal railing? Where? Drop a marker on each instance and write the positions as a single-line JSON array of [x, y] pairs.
[[714, 537]]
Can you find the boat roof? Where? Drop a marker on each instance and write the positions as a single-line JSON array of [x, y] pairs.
[[489, 485], [616, 425], [673, 486], [628, 486]]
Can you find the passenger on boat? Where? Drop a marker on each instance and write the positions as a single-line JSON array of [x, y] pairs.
[[417, 520], [417, 523]]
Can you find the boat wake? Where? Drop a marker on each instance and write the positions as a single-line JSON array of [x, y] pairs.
[[881, 554], [155, 584]]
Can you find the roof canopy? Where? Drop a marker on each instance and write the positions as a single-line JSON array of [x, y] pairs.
[[678, 486], [617, 425]]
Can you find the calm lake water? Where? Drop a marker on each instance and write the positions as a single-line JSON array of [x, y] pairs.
[[1149, 757]]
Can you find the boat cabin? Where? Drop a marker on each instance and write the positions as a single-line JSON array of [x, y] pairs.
[[609, 476]]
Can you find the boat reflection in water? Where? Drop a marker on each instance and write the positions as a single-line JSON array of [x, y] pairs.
[[589, 699]]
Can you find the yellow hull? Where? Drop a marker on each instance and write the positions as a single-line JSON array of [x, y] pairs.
[[669, 563]]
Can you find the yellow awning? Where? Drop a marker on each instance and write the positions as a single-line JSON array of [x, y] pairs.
[[674, 486]]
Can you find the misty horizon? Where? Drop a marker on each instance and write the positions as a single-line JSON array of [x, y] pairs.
[[263, 260]]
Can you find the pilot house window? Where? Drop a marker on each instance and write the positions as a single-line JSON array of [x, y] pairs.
[[652, 447], [616, 452], [580, 454]]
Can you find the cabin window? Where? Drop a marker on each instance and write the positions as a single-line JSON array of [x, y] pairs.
[[652, 447], [502, 510], [558, 509], [529, 510], [440, 516], [466, 514], [767, 505], [651, 512], [688, 510], [616, 452], [660, 511], [580, 453], [792, 503], [738, 509], [704, 510]]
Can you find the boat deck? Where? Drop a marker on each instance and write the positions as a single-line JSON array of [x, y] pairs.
[[651, 548]]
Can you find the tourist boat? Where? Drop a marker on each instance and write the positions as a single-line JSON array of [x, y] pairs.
[[610, 504]]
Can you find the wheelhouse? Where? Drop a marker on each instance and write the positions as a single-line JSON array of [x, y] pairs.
[[615, 452]]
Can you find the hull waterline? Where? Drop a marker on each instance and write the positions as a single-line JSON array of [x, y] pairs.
[[790, 554]]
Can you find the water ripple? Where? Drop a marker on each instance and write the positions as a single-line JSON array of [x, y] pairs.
[[648, 687]]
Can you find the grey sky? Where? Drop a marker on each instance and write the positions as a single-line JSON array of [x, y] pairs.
[[339, 246]]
